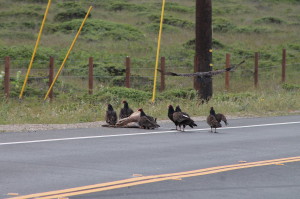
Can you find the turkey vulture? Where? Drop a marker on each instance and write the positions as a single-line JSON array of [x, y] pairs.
[[219, 116], [111, 115], [147, 122], [203, 75], [178, 109], [125, 111], [212, 121], [182, 119], [170, 114]]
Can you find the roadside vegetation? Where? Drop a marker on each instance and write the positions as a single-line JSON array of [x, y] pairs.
[[116, 29]]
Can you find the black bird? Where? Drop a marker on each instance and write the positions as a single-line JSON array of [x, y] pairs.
[[125, 111], [219, 116], [170, 114], [178, 109], [111, 115], [146, 121], [182, 119], [212, 121]]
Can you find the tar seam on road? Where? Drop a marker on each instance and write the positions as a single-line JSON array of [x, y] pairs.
[[151, 179], [135, 134]]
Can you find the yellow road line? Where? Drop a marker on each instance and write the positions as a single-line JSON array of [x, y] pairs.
[[153, 178]]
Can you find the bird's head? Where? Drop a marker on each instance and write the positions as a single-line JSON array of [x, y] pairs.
[[212, 111], [178, 109], [125, 104], [109, 107], [140, 109]]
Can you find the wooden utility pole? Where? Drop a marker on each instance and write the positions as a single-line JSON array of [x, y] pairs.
[[204, 46]]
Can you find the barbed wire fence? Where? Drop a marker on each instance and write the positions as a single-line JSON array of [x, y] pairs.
[[112, 72]]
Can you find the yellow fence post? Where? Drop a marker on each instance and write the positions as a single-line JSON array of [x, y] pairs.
[[68, 53], [35, 49], [158, 49]]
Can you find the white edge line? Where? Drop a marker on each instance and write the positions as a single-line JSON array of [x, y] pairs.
[[147, 133]]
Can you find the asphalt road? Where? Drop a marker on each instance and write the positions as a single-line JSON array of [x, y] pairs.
[[59, 159]]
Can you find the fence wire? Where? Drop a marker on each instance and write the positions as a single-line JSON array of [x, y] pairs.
[[75, 75]]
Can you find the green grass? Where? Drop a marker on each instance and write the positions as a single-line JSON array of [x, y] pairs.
[[77, 109], [117, 29]]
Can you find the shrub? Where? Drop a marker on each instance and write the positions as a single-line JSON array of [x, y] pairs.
[[235, 96], [113, 93], [100, 30], [20, 13], [33, 1], [269, 20], [222, 25], [215, 44], [179, 93], [74, 13], [68, 5], [294, 46], [231, 10], [29, 25], [120, 6], [103, 71], [170, 20], [25, 52], [251, 29], [154, 27], [178, 8], [290, 87], [19, 35]]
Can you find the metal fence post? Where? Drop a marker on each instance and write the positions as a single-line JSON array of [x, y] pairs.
[[227, 76], [7, 77], [162, 74], [283, 65], [127, 63], [91, 75], [256, 70]]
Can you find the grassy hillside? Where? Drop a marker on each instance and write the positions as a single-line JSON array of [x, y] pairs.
[[129, 27], [120, 28]]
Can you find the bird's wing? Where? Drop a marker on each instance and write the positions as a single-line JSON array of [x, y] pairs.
[[212, 121], [144, 120], [180, 117], [203, 74]]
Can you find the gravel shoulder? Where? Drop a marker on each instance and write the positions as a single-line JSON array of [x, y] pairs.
[[43, 127]]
